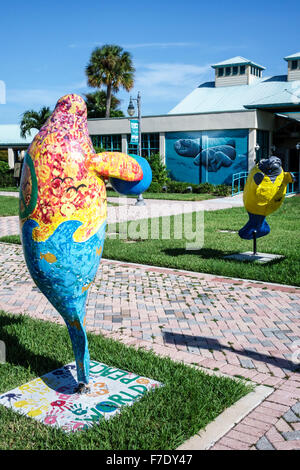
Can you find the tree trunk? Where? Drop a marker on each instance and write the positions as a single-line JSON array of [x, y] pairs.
[[108, 101]]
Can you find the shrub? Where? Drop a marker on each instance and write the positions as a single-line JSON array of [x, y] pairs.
[[222, 190], [155, 187], [3, 155], [6, 175], [177, 186], [204, 188], [159, 170], [99, 149]]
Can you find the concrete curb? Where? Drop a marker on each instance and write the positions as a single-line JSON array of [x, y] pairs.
[[227, 420]]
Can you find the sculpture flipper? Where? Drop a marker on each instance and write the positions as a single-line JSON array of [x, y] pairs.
[[255, 223]]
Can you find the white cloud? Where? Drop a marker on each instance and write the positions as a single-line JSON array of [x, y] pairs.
[[162, 86], [161, 44], [2, 92], [33, 97], [168, 81], [138, 45]]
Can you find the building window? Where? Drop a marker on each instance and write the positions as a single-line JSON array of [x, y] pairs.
[[227, 71], [234, 70], [242, 69], [111, 143], [262, 138], [294, 64], [220, 72], [150, 145]]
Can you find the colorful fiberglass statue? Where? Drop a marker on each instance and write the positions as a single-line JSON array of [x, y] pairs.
[[63, 214], [263, 194]]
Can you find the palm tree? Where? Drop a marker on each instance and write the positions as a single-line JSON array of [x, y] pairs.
[[34, 120], [96, 105], [111, 66]]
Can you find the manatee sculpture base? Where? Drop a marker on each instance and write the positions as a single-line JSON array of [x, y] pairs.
[[52, 400], [249, 256]]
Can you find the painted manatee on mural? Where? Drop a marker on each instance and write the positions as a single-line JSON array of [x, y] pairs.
[[264, 193], [63, 215], [212, 158]]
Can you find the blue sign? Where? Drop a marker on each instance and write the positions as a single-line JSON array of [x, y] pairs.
[[134, 127]]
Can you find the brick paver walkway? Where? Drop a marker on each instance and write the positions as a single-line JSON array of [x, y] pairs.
[[239, 327]]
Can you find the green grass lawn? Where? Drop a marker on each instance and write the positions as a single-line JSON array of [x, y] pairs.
[[162, 419], [10, 189], [284, 239], [9, 205]]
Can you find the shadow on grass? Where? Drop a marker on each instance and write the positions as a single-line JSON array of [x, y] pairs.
[[17, 354], [213, 344], [203, 252], [210, 253]]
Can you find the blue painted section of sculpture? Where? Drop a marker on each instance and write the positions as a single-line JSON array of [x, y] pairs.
[[256, 223], [134, 187], [65, 280]]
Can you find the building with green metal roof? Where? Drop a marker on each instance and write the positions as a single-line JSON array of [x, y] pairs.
[[225, 125]]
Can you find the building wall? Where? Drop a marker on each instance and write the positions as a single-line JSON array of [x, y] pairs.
[[207, 131], [174, 122], [219, 154], [232, 80], [293, 74]]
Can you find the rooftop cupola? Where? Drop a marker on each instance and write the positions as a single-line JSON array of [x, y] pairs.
[[293, 66], [236, 71]]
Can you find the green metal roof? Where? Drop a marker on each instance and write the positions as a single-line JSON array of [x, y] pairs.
[[263, 92], [293, 56], [10, 135], [238, 60]]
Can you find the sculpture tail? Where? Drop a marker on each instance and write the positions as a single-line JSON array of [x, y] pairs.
[[79, 341], [255, 222]]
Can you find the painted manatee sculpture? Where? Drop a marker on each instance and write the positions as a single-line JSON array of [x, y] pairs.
[[264, 193], [63, 215], [212, 158]]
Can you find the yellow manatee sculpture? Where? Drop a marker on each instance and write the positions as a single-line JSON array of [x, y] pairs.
[[264, 193]]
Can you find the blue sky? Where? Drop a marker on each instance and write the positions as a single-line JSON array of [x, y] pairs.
[[45, 46]]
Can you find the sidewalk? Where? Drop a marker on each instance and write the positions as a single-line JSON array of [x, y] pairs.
[[238, 327], [128, 211]]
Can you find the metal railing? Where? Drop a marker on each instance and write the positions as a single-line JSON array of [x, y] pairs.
[[294, 188], [239, 181]]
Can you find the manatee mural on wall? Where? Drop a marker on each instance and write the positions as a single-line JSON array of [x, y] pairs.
[[212, 156]]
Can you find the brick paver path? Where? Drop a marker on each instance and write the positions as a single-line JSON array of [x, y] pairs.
[[239, 327]]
